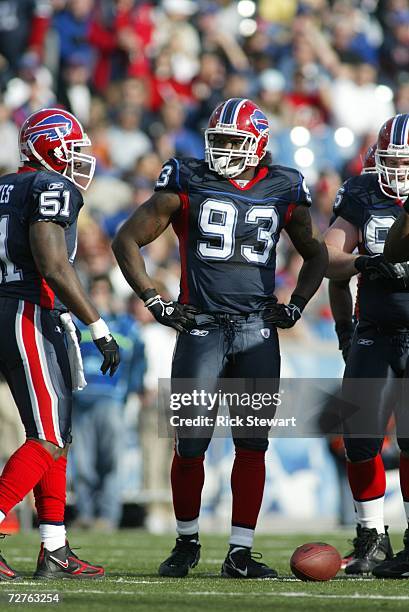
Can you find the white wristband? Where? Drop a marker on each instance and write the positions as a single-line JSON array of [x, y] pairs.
[[99, 329]]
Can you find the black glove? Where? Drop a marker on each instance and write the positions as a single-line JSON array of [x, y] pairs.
[[375, 266], [286, 315], [109, 349], [172, 314], [344, 331]]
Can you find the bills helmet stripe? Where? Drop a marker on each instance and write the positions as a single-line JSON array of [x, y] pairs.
[[228, 111], [48, 128], [398, 129], [237, 111]]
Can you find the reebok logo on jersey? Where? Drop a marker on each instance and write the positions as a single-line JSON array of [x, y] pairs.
[[52, 186], [198, 332], [265, 333], [365, 342]]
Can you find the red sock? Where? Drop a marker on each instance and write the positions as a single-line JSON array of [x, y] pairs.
[[367, 479], [22, 472], [187, 478], [247, 484], [404, 476], [50, 493]]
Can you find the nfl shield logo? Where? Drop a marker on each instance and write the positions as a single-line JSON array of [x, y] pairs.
[[265, 332]]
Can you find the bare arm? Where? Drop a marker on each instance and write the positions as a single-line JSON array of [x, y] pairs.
[[147, 223], [340, 299], [397, 241], [341, 239], [47, 242], [308, 242]]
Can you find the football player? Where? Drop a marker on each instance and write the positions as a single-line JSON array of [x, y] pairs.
[[340, 297], [365, 208], [39, 207], [228, 212]]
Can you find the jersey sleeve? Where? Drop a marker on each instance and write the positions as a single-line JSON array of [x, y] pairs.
[[346, 206], [300, 194], [173, 177], [58, 201]]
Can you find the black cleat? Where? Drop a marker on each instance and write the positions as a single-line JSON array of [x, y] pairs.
[[64, 563], [370, 549], [241, 563], [6, 572], [398, 566], [185, 556]]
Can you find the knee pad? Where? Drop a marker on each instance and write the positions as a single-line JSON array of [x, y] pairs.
[[362, 449], [256, 444], [189, 448]]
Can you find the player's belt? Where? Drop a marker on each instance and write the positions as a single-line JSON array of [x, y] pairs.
[[365, 326], [205, 318]]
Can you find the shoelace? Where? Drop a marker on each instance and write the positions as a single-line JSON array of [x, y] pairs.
[[250, 555], [352, 553], [182, 550], [71, 551], [364, 543]]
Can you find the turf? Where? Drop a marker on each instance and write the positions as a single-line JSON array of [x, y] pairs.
[[131, 559]]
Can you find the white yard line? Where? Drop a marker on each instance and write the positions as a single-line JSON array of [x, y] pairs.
[[286, 594]]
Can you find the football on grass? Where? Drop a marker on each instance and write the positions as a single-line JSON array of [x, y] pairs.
[[315, 561]]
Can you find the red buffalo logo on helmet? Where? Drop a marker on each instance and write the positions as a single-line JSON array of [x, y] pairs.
[[52, 127]]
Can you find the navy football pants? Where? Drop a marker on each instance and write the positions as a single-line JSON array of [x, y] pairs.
[[235, 346], [34, 362], [382, 357]]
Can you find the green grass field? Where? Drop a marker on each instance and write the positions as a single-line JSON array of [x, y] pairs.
[[131, 559]]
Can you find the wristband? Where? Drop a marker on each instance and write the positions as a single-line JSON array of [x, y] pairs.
[[343, 327], [148, 294], [298, 301], [99, 329], [359, 262]]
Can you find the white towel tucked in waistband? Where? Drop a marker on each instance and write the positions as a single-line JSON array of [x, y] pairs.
[[74, 353]]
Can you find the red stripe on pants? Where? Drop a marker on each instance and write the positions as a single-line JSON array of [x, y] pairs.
[[44, 398]]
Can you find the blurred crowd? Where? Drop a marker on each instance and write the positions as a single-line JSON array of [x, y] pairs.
[[143, 78]]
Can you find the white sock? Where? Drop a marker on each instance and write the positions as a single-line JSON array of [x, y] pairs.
[[52, 536], [2, 516], [370, 514], [240, 536], [406, 506], [187, 527]]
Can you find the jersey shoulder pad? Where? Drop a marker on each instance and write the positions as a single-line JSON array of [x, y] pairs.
[[351, 200], [54, 198], [298, 192], [176, 173]]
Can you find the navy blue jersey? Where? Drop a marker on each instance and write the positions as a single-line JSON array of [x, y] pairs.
[[228, 234], [28, 197], [361, 202]]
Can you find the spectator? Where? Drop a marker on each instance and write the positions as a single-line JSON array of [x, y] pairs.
[[9, 154], [127, 142], [23, 26], [98, 415], [156, 450]]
